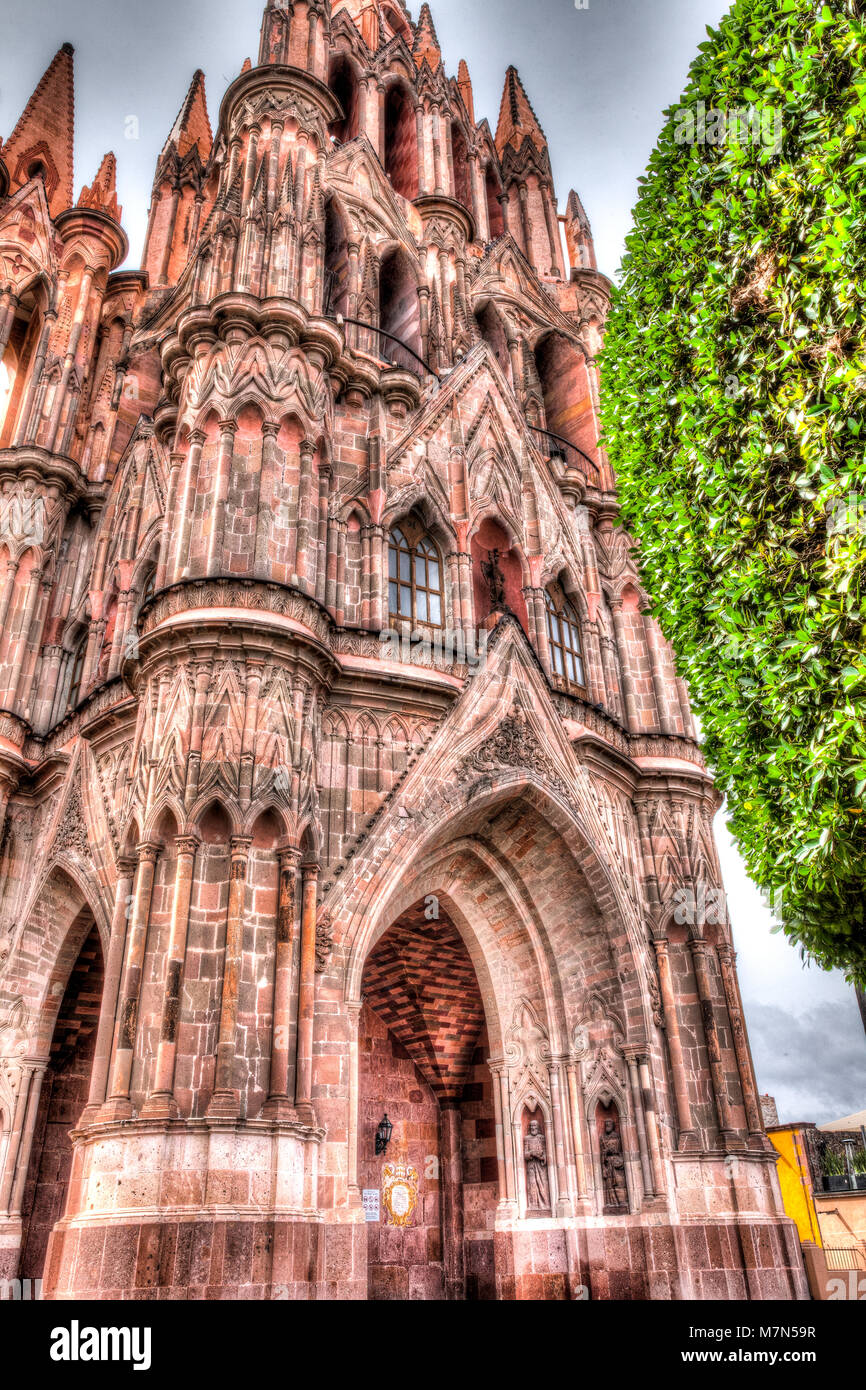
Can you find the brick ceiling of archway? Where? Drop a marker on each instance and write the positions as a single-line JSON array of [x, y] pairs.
[[79, 1011], [421, 982]]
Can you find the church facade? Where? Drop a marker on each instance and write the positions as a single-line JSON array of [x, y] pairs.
[[361, 925]]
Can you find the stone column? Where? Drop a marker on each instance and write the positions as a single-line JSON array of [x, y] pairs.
[[118, 1106], [25, 1142], [503, 202], [305, 488], [178, 562], [745, 1066], [340, 579], [380, 110], [450, 182], [538, 618], [552, 229], [660, 690], [499, 1133], [525, 224], [161, 1102], [225, 1101], [563, 1185], [79, 316], [688, 1138], [307, 993], [451, 1191], [593, 669], [640, 1124], [625, 669], [439, 186], [700, 950], [511, 1184], [28, 417], [177, 459], [8, 589], [8, 305], [464, 569], [578, 1128], [228, 429], [122, 625], [251, 163], [111, 988], [21, 1136], [267, 469], [422, 160], [165, 259], [354, 251], [378, 570], [652, 1127], [324, 531], [353, 1009], [279, 1105], [17, 650], [479, 201]]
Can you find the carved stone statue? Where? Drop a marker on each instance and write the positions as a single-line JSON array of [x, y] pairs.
[[613, 1166], [535, 1157], [495, 581]]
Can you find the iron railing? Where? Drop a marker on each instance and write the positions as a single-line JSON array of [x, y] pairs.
[[564, 448], [392, 351], [844, 1257]]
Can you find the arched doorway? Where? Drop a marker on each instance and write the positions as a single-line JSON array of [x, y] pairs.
[[63, 1097], [344, 84], [399, 308], [336, 260], [423, 1053], [492, 194], [564, 380]]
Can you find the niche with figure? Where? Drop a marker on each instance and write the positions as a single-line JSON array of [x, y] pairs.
[[536, 1169], [497, 575], [612, 1157]]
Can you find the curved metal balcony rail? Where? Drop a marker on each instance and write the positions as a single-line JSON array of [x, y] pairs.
[[365, 337], [564, 448]]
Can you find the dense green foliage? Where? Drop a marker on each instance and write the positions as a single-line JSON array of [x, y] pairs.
[[733, 386]]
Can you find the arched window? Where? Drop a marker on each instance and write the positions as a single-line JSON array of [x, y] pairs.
[[414, 577], [563, 635], [149, 588], [77, 673]]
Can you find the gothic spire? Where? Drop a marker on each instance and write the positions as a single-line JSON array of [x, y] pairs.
[[102, 193], [192, 124], [464, 84], [426, 43], [42, 142], [517, 120], [578, 234]]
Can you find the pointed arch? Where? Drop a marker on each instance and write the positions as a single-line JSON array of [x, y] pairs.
[[400, 143]]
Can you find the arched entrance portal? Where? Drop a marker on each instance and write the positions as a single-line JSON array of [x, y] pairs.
[[62, 1099], [422, 1060]]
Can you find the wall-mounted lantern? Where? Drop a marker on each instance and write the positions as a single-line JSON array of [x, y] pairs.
[[383, 1134]]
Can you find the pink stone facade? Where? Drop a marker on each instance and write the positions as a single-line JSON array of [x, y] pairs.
[[342, 767]]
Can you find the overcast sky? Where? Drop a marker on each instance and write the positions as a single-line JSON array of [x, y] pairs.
[[599, 79]]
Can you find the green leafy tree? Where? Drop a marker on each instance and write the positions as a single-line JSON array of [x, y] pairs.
[[734, 381]]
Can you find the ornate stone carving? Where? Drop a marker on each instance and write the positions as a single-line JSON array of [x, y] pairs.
[[324, 942], [613, 1165], [512, 744], [71, 832], [535, 1161]]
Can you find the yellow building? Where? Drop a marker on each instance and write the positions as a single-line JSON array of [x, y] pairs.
[[795, 1178]]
